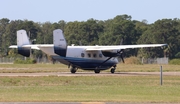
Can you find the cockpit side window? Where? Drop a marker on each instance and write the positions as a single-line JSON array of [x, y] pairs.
[[82, 55]]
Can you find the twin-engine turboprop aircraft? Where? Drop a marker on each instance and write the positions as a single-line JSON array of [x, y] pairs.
[[95, 58]]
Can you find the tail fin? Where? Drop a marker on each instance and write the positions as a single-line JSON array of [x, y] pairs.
[[22, 39], [60, 45]]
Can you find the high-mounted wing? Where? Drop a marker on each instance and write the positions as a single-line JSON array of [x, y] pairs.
[[119, 47], [36, 46]]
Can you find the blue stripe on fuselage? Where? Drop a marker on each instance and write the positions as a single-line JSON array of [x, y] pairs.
[[85, 63]]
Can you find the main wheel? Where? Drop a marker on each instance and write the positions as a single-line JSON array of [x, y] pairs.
[[97, 70], [73, 70], [112, 70]]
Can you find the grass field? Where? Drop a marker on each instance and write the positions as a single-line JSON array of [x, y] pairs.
[[89, 88], [35, 68]]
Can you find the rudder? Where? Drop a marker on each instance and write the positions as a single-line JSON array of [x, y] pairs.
[[60, 45]]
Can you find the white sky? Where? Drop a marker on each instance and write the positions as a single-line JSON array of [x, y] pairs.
[[82, 10]]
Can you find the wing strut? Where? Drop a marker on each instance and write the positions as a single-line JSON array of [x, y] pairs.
[[104, 61], [97, 70]]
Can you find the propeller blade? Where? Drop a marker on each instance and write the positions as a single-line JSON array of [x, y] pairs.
[[120, 54], [122, 58], [121, 42]]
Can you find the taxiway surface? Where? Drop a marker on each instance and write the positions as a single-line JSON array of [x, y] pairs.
[[90, 74]]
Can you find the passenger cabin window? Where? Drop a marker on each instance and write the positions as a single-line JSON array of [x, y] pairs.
[[100, 55], [94, 55], [82, 55], [89, 55]]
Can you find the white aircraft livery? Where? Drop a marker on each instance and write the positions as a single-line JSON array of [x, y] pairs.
[[95, 58]]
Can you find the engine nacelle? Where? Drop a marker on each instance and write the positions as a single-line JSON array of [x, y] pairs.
[[24, 51], [109, 54]]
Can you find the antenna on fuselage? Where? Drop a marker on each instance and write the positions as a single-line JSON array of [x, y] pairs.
[[80, 43], [121, 42]]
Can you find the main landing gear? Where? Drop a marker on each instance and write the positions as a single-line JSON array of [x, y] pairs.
[[73, 69], [97, 70]]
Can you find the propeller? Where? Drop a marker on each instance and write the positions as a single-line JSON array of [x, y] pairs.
[[122, 58], [120, 54]]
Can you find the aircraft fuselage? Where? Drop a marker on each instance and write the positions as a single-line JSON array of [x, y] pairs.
[[78, 57]]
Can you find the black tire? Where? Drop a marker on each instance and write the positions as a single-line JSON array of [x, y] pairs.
[[73, 70], [97, 71], [112, 70]]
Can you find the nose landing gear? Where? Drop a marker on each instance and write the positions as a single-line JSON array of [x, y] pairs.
[[113, 69]]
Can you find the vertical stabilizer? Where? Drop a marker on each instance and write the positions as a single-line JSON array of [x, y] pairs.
[[60, 45], [22, 39]]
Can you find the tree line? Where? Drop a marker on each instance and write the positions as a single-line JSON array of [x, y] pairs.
[[119, 30]]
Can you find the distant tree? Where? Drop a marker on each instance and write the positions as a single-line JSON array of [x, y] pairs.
[[162, 31], [119, 30], [3, 36]]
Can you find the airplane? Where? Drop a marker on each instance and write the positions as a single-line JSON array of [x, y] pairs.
[[95, 58]]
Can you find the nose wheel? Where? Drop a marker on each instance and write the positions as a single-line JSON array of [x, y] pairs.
[[113, 69]]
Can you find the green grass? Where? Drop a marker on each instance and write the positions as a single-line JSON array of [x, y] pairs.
[[90, 89], [36, 68], [147, 68], [32, 68]]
